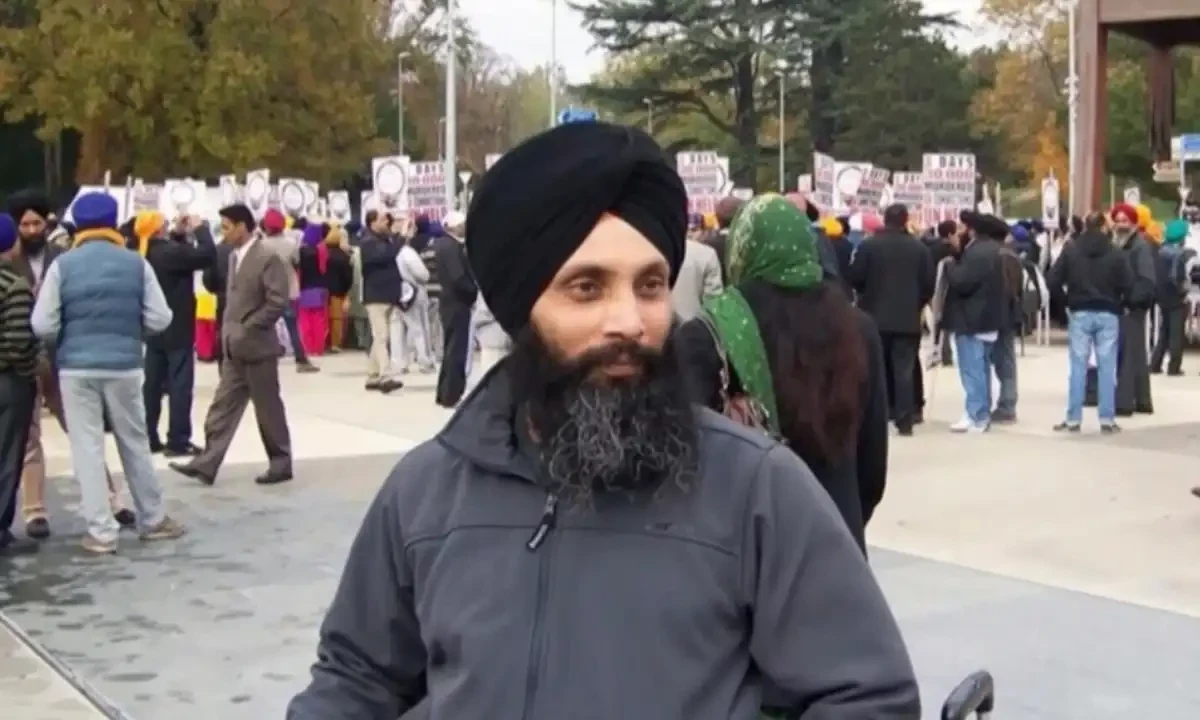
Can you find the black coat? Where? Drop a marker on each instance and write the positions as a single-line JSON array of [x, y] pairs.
[[381, 277], [855, 484], [308, 268], [339, 272], [176, 260], [977, 298], [894, 276], [458, 284]]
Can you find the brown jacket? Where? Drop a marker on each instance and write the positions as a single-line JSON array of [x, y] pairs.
[[256, 296]]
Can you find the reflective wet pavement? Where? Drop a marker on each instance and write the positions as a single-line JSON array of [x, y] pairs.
[[223, 623]]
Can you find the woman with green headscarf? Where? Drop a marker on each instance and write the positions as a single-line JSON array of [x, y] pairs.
[[783, 340]]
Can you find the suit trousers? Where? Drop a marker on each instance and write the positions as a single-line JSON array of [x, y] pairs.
[[244, 383]]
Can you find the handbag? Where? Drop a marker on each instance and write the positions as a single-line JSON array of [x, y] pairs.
[[739, 407]]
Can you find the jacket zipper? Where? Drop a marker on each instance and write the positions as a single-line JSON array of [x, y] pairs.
[[540, 534]]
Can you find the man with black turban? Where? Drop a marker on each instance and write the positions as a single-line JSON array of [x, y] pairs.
[[977, 310], [664, 561]]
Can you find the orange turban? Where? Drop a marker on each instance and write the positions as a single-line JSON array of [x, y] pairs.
[[1144, 217], [146, 225]]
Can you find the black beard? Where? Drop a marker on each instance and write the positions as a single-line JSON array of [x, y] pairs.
[[593, 438], [33, 244]]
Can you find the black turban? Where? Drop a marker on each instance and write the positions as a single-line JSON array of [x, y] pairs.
[[540, 201], [26, 200], [988, 226]]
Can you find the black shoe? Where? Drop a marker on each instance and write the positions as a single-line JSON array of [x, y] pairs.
[[1144, 410], [1156, 371], [125, 517], [918, 417], [189, 450], [1066, 427], [307, 368], [273, 478], [388, 386], [1124, 413], [904, 430], [372, 386], [13, 546], [38, 528], [155, 447], [1004, 418], [1174, 373], [1110, 429], [187, 470]]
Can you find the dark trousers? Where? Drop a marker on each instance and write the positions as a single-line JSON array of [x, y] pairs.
[[18, 395], [456, 329], [1133, 367], [293, 332], [900, 357], [1169, 341], [169, 372], [241, 384]]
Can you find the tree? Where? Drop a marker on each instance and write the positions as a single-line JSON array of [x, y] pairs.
[[183, 87]]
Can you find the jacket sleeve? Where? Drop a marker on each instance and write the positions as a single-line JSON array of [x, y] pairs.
[[370, 656], [411, 266], [712, 274], [928, 275], [1144, 276], [860, 266], [277, 289], [1057, 277], [968, 273], [182, 256], [18, 344], [453, 270], [873, 432], [156, 313], [822, 631], [701, 363], [213, 277], [47, 309]]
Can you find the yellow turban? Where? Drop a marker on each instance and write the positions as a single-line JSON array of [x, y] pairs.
[[1144, 217], [1156, 231], [146, 225], [832, 227]]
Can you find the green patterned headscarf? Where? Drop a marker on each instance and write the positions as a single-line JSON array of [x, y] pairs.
[[770, 240]]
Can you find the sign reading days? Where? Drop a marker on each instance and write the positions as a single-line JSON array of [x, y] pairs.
[[949, 186], [427, 190], [908, 189], [705, 175]]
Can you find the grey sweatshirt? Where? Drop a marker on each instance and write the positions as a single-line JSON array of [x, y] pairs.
[[470, 595]]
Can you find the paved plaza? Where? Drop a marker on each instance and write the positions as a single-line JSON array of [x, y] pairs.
[[1065, 565]]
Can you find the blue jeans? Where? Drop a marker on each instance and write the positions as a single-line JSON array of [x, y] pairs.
[[1088, 331], [975, 372], [293, 331], [1004, 361]]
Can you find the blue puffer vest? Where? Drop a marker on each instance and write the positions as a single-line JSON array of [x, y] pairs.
[[101, 287]]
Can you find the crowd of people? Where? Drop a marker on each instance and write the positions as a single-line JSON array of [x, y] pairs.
[[586, 505]]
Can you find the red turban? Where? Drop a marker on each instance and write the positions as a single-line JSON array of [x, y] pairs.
[[274, 222], [1126, 210]]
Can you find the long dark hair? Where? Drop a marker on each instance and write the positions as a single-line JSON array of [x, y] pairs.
[[818, 362]]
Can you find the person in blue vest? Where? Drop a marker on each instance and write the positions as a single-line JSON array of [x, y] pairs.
[[98, 301]]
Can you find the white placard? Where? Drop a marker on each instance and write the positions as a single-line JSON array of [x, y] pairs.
[[230, 192], [292, 195], [339, 206], [824, 178], [179, 197], [705, 175], [427, 190], [391, 180], [1133, 195], [804, 184], [950, 180], [1050, 202], [908, 189], [258, 191]]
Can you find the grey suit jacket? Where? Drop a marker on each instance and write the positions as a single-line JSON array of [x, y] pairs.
[[256, 296], [699, 278]]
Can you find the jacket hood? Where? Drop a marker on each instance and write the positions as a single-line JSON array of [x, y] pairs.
[[1094, 243], [483, 427]]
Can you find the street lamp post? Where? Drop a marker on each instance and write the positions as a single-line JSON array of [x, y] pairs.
[[451, 108], [649, 115], [400, 100], [552, 71], [780, 70]]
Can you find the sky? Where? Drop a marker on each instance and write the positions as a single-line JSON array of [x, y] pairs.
[[522, 31]]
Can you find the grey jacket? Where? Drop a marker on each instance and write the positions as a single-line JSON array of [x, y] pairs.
[[473, 597], [699, 279]]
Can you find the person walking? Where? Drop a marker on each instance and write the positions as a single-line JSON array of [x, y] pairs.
[[99, 300], [256, 298]]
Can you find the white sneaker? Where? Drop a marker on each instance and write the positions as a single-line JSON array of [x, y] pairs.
[[967, 425]]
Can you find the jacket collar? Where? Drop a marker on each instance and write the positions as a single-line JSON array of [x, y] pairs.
[[484, 428]]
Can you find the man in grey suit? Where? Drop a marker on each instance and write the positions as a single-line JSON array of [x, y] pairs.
[[256, 296], [699, 279]]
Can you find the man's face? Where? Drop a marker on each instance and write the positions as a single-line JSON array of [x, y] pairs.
[[1122, 224], [233, 233], [31, 230], [614, 291], [607, 402]]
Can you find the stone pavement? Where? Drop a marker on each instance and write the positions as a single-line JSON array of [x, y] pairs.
[[1062, 564]]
